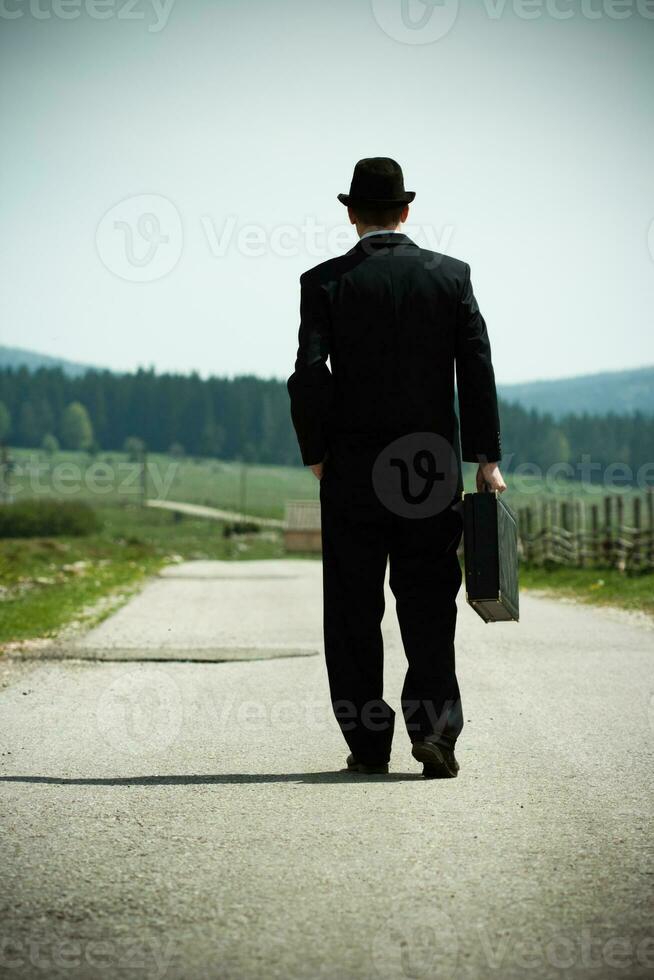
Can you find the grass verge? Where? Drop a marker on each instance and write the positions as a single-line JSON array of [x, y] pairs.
[[606, 587], [50, 583]]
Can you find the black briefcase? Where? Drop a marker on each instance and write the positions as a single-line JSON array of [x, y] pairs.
[[490, 548]]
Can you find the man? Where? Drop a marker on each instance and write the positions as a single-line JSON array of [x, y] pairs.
[[380, 433]]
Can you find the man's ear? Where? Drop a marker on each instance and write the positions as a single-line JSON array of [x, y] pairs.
[[352, 216], [405, 214]]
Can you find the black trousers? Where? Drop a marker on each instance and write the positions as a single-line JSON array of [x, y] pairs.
[[359, 537]]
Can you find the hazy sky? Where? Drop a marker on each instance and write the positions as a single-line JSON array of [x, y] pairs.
[[169, 170]]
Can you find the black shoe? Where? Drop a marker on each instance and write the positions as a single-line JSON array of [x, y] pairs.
[[439, 761], [353, 766]]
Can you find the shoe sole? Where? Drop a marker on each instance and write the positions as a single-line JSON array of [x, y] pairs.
[[362, 770], [435, 765]]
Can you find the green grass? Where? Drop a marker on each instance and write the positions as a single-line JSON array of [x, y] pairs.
[[48, 583], [607, 587], [111, 477]]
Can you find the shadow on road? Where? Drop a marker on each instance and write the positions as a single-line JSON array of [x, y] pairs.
[[340, 776]]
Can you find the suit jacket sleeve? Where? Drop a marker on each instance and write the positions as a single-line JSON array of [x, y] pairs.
[[311, 385], [480, 426]]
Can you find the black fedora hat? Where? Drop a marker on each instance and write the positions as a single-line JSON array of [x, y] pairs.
[[379, 182]]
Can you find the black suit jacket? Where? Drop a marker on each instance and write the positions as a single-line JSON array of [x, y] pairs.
[[395, 320]]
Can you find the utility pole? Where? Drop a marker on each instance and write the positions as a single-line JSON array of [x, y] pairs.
[[144, 476], [243, 489], [4, 473]]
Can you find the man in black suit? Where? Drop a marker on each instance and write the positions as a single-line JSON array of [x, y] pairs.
[[381, 434]]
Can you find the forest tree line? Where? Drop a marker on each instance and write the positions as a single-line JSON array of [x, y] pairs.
[[248, 418]]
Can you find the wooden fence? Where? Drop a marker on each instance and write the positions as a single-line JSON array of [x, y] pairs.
[[617, 532], [302, 526]]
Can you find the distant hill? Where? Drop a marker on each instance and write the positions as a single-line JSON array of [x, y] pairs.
[[14, 357], [622, 392]]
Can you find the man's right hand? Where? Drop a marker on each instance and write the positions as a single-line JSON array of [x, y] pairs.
[[490, 478]]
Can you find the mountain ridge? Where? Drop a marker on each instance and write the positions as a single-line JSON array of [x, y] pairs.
[[621, 392]]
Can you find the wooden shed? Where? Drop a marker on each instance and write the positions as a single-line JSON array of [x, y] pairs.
[[302, 526]]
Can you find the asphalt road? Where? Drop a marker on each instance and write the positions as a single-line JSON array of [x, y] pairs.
[[187, 819]]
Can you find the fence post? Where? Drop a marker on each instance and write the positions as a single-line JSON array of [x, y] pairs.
[[564, 525], [636, 553], [580, 516], [544, 532], [621, 547], [607, 548], [595, 548], [619, 506], [528, 533]]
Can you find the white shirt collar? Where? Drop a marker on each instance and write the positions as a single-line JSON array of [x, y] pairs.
[[380, 231]]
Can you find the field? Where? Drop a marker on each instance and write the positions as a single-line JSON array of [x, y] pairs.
[[256, 489], [52, 584], [112, 477]]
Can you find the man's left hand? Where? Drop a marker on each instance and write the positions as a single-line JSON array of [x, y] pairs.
[[316, 469]]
